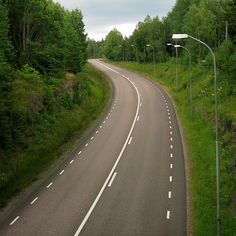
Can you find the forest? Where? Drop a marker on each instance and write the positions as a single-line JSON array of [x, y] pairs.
[[48, 94], [213, 22]]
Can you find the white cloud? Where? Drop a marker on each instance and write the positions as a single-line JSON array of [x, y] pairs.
[[100, 16]]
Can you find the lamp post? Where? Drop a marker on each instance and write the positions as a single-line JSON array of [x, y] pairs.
[[154, 63], [176, 65], [184, 36], [135, 51], [121, 46], [190, 77]]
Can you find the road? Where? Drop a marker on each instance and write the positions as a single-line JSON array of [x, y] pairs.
[[128, 178]]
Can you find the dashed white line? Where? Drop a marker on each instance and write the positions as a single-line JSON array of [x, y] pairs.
[[50, 185], [104, 122], [97, 132], [79, 152], [130, 140], [171, 155], [62, 172], [71, 161], [14, 220], [100, 126], [109, 114], [171, 146], [171, 132], [171, 139], [171, 179], [169, 194], [170, 127], [107, 117], [168, 215], [92, 138], [86, 145], [169, 118], [170, 122], [34, 201], [112, 179], [171, 166]]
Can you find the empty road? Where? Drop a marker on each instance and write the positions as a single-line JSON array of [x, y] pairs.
[[127, 179]]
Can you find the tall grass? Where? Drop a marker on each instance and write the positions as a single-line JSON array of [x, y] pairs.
[[58, 133]]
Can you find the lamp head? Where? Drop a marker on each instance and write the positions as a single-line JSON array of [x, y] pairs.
[[177, 46], [179, 36], [169, 44], [148, 45]]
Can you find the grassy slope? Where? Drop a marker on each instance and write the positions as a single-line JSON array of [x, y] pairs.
[[200, 139], [52, 139]]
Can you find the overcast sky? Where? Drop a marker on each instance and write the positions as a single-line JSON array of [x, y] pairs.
[[101, 16]]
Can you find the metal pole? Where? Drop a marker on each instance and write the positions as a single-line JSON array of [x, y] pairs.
[[176, 69], [217, 138], [154, 62]]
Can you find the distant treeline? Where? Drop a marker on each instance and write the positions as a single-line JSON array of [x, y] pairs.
[[212, 21], [39, 42]]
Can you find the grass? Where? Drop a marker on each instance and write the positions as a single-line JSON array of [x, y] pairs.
[[199, 134], [55, 136]]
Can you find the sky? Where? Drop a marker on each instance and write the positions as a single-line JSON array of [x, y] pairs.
[[101, 16]]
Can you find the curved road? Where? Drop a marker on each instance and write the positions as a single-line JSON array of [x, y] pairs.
[[127, 179]]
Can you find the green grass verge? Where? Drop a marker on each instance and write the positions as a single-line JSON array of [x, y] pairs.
[[199, 136], [56, 136]]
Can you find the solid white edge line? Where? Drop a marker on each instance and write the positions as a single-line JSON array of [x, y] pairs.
[[130, 140], [34, 201], [168, 215], [50, 185], [138, 118], [114, 167], [112, 179], [14, 220]]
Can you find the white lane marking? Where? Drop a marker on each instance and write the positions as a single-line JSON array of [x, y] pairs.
[[171, 139], [171, 155], [169, 194], [168, 113], [62, 172], [116, 163], [138, 118], [171, 132], [167, 107], [170, 127], [92, 138], [50, 185], [97, 132], [71, 162], [34, 201], [140, 104], [130, 140], [79, 152], [112, 179], [168, 110], [171, 179], [14, 220], [104, 122], [171, 166], [86, 145], [170, 122], [107, 117], [168, 215], [169, 117], [171, 146], [100, 126], [109, 114]]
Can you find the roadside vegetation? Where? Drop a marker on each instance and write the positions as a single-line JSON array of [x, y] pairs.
[[48, 95], [213, 22]]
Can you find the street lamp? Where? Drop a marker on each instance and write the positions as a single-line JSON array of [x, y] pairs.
[[190, 76], [123, 51], [176, 65], [135, 51], [154, 63], [184, 36]]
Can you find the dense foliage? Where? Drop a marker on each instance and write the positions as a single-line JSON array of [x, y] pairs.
[[39, 42]]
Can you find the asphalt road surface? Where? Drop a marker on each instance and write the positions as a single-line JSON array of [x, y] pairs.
[[127, 179]]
